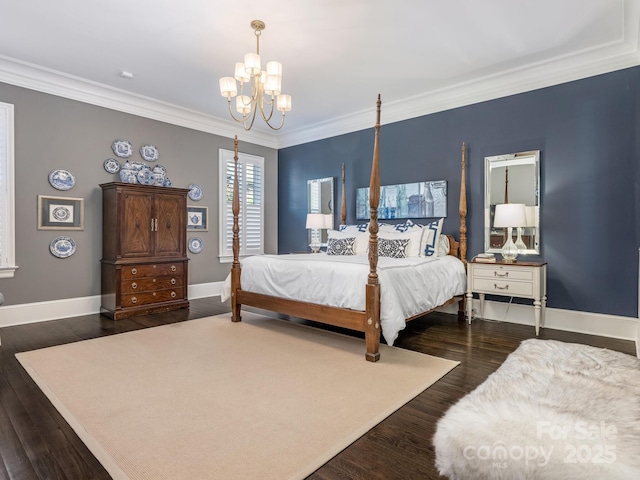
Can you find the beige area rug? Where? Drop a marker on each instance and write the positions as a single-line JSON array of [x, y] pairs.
[[209, 398]]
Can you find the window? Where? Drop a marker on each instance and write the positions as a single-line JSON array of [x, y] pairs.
[[7, 210], [251, 216]]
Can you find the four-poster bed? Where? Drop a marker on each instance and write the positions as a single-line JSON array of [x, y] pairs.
[[367, 318]]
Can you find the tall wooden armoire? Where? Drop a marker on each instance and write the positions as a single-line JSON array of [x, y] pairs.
[[144, 256]]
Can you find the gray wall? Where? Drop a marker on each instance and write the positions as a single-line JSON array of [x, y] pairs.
[[52, 132]]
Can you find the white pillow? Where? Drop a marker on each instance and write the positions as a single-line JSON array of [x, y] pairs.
[[414, 235], [443, 246], [431, 238], [361, 244]]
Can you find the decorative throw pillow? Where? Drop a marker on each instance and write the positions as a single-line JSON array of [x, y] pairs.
[[340, 246], [361, 244], [362, 228], [414, 235], [443, 246], [431, 238], [394, 248]]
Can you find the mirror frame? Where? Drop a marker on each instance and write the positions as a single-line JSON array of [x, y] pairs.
[[325, 188], [511, 160]]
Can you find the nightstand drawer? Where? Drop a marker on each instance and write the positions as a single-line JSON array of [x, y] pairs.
[[503, 273], [499, 286]]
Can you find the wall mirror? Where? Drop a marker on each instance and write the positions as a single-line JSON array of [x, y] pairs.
[[513, 178], [320, 200]]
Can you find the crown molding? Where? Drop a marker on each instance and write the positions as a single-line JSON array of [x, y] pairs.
[[604, 59], [35, 77], [560, 70]]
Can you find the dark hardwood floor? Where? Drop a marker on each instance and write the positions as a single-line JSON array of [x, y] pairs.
[[37, 443]]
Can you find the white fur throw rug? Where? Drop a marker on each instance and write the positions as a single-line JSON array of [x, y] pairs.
[[553, 410]]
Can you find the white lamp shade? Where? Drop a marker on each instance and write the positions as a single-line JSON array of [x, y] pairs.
[[243, 104], [228, 87], [532, 216], [274, 68], [252, 63], [317, 220], [241, 73], [510, 215], [283, 103], [272, 85]]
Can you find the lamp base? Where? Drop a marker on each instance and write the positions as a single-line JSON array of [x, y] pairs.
[[315, 248], [509, 249]]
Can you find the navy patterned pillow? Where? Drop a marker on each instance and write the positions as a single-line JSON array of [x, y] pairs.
[[363, 227], [341, 246], [392, 248]]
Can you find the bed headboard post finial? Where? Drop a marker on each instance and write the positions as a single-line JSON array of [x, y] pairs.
[[374, 200], [236, 204], [343, 210], [463, 205], [235, 266]]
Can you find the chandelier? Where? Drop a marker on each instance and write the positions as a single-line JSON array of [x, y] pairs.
[[265, 87]]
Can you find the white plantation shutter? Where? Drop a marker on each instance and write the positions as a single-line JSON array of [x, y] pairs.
[[7, 219], [251, 192]]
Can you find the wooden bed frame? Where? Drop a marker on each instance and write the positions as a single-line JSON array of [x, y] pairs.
[[367, 321]]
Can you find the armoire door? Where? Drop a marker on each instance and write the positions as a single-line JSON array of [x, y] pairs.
[[137, 224], [171, 214]]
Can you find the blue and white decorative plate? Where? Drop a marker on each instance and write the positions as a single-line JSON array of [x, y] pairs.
[[62, 179], [62, 247], [122, 148], [111, 165], [195, 244], [195, 192], [61, 214], [145, 176], [149, 153]]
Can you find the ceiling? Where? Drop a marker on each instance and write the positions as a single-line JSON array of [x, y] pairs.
[[422, 56]]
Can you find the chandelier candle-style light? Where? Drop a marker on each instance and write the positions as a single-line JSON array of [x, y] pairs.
[[265, 87]]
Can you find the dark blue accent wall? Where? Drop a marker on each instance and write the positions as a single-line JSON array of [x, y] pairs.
[[587, 132]]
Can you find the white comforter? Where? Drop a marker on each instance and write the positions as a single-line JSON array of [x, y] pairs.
[[408, 286]]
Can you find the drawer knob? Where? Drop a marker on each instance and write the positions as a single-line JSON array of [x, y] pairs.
[[173, 281], [134, 285], [134, 300], [134, 270], [505, 274], [173, 295], [506, 287], [173, 268], [154, 294]]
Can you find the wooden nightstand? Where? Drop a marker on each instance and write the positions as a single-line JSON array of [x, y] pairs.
[[519, 279]]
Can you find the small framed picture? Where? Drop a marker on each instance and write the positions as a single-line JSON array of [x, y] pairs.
[[197, 218], [60, 213]]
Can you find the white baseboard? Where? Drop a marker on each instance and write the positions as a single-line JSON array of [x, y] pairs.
[[625, 328], [613, 326], [75, 307]]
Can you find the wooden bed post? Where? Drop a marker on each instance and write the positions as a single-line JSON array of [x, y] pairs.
[[463, 206], [463, 223], [343, 206], [235, 267], [372, 326]]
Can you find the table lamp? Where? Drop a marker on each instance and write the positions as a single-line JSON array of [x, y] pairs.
[[510, 215], [317, 221]]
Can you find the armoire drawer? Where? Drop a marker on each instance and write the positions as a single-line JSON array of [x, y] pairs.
[[152, 270], [137, 285], [148, 298]]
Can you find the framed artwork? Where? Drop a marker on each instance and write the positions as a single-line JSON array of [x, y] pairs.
[[60, 213], [197, 218], [407, 200]]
